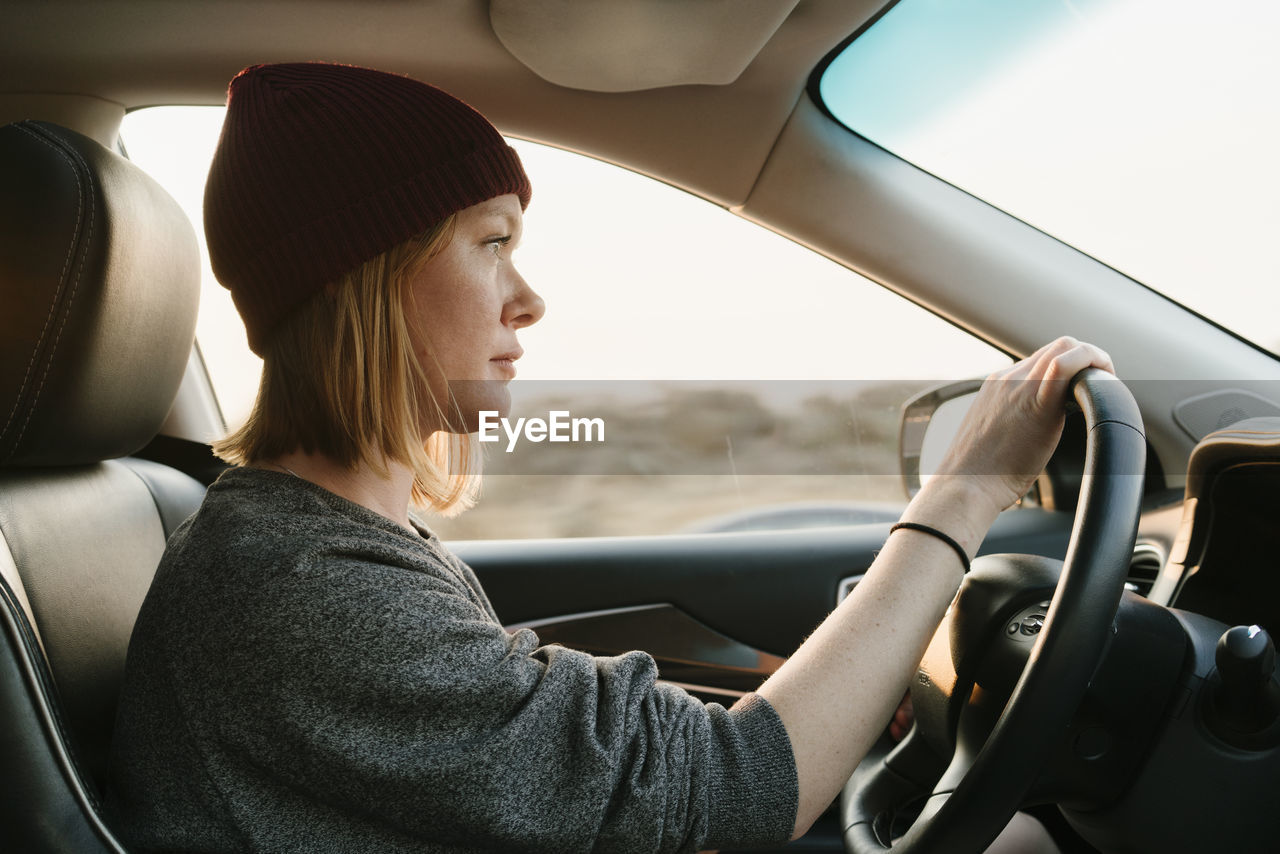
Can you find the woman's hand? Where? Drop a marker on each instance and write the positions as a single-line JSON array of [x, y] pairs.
[[835, 693], [903, 718], [1014, 425]]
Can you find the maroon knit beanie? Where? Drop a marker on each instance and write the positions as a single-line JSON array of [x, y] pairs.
[[322, 167]]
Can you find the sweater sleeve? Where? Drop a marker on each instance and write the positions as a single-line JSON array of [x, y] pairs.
[[390, 692]]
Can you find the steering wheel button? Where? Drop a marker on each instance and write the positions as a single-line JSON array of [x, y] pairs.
[[1013, 628], [1033, 624]]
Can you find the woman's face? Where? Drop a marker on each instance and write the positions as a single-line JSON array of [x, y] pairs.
[[465, 306]]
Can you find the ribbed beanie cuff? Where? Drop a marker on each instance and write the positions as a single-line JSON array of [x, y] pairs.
[[322, 167]]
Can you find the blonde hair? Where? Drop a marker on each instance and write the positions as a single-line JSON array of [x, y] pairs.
[[340, 378]]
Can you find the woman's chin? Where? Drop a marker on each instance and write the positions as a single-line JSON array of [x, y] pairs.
[[475, 397], [475, 400]]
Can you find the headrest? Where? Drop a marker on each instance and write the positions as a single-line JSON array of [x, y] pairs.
[[99, 284]]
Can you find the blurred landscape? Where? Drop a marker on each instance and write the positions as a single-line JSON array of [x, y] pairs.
[[678, 456]]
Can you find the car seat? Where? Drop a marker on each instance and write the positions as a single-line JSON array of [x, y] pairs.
[[99, 283]]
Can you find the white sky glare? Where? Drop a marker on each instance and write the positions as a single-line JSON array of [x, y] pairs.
[[1143, 132]]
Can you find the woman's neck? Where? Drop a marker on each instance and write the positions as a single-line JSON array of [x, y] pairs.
[[385, 495]]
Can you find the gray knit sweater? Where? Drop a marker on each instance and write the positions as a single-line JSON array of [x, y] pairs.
[[306, 675]]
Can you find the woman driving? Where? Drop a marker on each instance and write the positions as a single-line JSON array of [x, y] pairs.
[[313, 670]]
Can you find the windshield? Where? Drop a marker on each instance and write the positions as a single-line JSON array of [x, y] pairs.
[[1143, 132]]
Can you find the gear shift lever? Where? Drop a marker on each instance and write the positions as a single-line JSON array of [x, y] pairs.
[[1244, 699]]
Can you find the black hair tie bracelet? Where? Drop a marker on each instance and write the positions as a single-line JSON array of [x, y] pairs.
[[925, 529]]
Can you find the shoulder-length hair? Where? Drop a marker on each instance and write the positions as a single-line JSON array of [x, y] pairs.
[[340, 378]]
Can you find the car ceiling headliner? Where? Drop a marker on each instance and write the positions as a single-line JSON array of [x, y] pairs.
[[711, 139]]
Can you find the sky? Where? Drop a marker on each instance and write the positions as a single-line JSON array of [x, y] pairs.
[[1143, 132]]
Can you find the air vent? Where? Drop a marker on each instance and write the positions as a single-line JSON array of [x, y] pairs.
[[1148, 560]]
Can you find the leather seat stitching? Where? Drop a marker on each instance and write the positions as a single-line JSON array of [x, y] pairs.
[[61, 280], [71, 298]]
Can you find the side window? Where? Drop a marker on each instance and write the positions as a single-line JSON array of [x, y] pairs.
[[693, 372], [175, 146]]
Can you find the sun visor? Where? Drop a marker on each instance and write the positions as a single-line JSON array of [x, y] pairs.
[[629, 45]]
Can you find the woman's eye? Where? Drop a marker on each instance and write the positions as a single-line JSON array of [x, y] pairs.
[[496, 244]]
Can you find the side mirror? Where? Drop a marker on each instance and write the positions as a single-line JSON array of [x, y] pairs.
[[930, 421]]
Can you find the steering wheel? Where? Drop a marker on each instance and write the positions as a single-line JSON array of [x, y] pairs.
[[992, 768]]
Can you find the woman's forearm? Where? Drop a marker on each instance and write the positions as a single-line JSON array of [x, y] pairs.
[[839, 689], [836, 693]]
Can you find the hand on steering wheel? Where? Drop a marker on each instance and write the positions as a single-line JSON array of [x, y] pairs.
[[1011, 430], [988, 775]]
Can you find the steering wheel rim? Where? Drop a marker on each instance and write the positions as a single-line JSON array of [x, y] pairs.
[[977, 795]]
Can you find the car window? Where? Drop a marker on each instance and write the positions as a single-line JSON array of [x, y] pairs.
[[693, 372], [1143, 132]]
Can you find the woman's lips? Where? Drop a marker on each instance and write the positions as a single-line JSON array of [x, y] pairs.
[[507, 362]]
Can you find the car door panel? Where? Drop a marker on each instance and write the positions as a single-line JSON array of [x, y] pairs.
[[718, 610]]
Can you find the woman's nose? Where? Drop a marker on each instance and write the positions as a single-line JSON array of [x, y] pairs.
[[525, 307]]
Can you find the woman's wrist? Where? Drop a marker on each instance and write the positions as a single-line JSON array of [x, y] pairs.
[[956, 505], [941, 536]]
